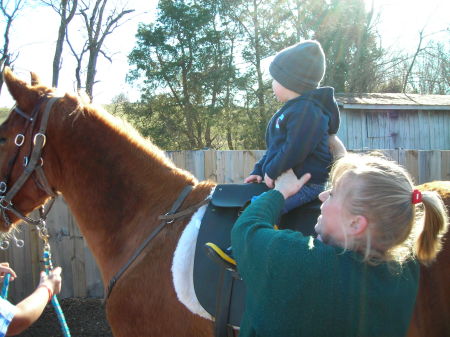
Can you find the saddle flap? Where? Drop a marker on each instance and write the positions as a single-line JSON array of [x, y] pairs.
[[236, 195]]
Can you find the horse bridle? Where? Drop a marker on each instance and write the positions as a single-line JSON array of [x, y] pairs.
[[32, 163]]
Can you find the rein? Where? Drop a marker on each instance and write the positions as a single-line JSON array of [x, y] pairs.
[[167, 218], [32, 164]]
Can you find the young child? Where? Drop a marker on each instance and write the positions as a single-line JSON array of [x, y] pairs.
[[360, 276], [297, 135]]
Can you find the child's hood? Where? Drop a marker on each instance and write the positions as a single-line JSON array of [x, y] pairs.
[[324, 97]]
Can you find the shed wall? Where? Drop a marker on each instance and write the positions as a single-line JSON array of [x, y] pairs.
[[395, 129]]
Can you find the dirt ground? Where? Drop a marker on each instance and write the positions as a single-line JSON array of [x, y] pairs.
[[85, 318]]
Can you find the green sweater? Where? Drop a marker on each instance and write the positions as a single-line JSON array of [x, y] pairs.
[[298, 286]]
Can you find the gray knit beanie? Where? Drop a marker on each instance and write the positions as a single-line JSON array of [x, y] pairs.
[[299, 68]]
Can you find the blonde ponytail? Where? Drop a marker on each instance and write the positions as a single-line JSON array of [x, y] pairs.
[[435, 225]]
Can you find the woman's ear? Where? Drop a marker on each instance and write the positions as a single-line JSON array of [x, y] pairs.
[[358, 225]]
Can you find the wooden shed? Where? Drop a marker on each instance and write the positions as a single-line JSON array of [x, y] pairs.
[[394, 121]]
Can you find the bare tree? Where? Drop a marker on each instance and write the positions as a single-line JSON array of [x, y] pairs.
[[418, 50], [98, 24], [431, 71], [79, 58], [428, 71], [66, 10], [9, 13]]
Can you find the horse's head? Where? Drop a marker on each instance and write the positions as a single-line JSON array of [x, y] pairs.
[[19, 135]]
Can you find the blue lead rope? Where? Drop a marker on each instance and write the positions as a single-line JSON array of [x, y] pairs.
[[5, 286], [55, 302]]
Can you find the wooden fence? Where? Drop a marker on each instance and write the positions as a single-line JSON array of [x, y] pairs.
[[81, 277]]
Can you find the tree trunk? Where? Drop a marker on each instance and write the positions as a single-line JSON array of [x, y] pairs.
[[91, 71], [6, 59], [64, 22], [97, 29], [418, 50], [260, 90]]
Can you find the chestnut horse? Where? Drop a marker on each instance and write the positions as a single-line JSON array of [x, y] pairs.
[[116, 184]]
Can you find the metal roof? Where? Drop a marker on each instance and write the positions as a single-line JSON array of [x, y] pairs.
[[393, 101]]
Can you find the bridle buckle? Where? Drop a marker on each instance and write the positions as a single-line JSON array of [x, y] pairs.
[[5, 204], [19, 140], [39, 134], [3, 187]]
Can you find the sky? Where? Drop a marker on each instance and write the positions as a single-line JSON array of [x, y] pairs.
[[400, 23]]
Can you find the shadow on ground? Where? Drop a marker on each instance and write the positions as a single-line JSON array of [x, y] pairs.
[[85, 318]]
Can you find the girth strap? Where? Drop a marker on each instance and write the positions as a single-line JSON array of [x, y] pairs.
[[176, 205], [223, 301]]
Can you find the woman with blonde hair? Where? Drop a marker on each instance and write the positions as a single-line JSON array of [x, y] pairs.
[[359, 277]]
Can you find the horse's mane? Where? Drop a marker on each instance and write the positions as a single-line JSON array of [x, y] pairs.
[[82, 107]]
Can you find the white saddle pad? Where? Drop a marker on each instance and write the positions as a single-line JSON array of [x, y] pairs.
[[183, 265]]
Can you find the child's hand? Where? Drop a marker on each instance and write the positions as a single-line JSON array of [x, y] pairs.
[[253, 178], [268, 181], [5, 269]]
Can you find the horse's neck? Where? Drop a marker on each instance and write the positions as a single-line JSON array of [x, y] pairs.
[[114, 186]]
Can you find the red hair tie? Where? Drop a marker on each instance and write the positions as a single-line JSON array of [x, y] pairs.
[[416, 197]]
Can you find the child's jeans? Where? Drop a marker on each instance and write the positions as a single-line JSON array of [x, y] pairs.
[[307, 193]]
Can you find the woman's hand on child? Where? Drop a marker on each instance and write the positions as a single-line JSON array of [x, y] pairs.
[[5, 269], [253, 178], [288, 184], [268, 181]]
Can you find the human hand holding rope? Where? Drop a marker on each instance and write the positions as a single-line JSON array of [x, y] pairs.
[[6, 269], [52, 281]]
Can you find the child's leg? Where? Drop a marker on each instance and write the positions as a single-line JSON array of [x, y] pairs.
[[308, 193]]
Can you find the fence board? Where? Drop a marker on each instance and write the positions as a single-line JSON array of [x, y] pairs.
[[210, 165], [445, 162], [77, 259], [429, 166], [61, 245], [81, 276], [411, 163]]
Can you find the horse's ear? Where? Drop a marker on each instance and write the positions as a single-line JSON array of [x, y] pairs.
[[35, 80], [17, 88]]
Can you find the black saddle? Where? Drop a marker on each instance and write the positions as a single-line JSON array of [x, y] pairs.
[[220, 290]]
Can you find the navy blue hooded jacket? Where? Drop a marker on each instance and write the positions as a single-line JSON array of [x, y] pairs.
[[297, 136]]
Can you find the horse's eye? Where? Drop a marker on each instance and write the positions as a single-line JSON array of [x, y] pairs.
[[2, 140]]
